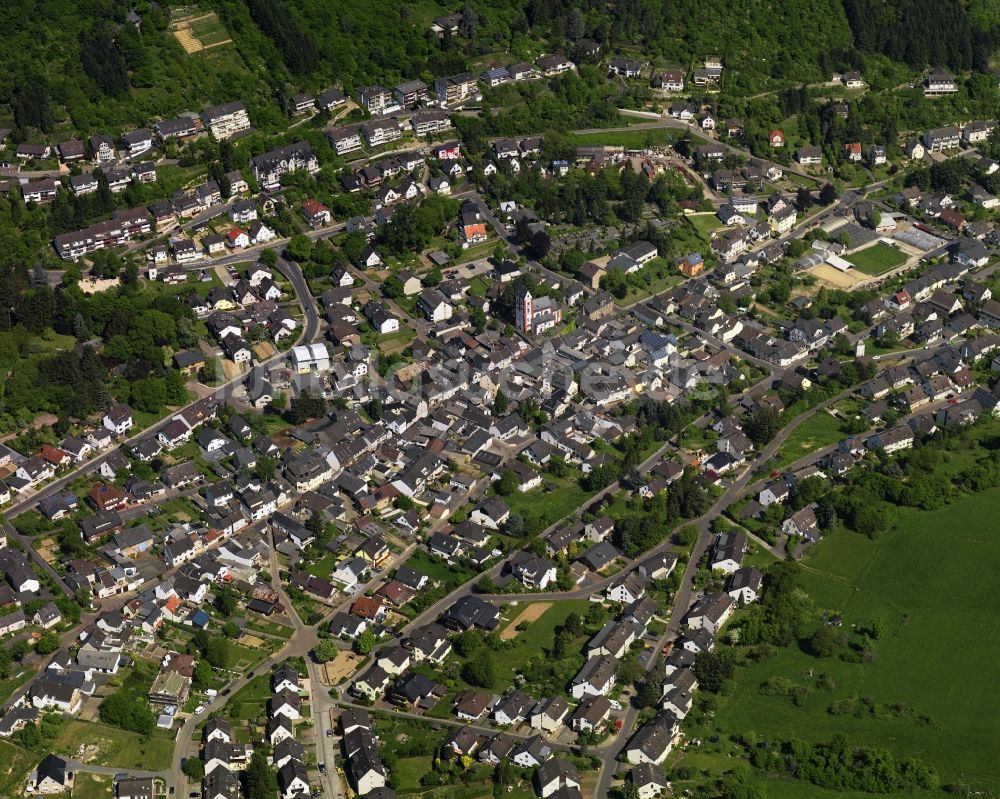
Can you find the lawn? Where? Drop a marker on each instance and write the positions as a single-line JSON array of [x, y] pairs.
[[395, 342], [933, 674], [877, 259], [538, 636], [271, 628], [656, 277], [194, 283], [800, 180], [478, 251], [816, 432], [632, 139], [178, 177], [540, 508], [705, 224], [181, 507], [439, 570], [92, 786], [115, 747], [249, 701], [239, 657], [324, 566], [424, 12], [758, 556], [478, 287], [409, 770], [695, 438], [15, 763], [54, 342]]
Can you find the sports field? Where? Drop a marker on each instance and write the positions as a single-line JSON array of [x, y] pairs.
[[877, 259], [932, 680], [834, 278]]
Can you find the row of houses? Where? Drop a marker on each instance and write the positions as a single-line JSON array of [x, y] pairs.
[[224, 121]]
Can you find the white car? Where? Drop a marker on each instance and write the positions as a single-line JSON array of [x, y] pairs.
[[199, 710]]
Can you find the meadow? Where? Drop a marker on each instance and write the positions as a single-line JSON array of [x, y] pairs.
[[705, 224], [929, 690], [818, 431], [540, 508], [631, 139], [115, 747], [15, 763]]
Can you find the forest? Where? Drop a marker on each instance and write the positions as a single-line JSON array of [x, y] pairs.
[[136, 329], [124, 74]]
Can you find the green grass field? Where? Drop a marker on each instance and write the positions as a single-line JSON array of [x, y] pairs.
[[15, 763], [92, 786], [249, 701], [540, 508], [931, 581], [324, 566], [539, 634], [478, 251], [816, 432], [239, 657], [877, 259], [705, 224], [632, 139], [478, 287], [409, 770], [449, 576], [424, 11], [118, 748], [800, 180]]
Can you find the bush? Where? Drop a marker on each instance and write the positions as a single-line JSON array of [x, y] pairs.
[[480, 671], [826, 642], [194, 769], [128, 712]]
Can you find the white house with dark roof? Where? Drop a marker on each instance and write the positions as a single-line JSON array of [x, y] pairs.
[[711, 612], [745, 584], [52, 775], [597, 677], [654, 740]]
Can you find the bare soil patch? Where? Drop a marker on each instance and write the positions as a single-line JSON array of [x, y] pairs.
[[532, 612]]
